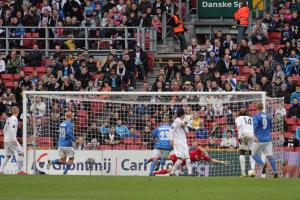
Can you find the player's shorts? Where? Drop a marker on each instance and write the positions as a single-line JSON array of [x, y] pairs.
[[264, 147], [181, 150], [160, 153], [11, 149], [246, 143], [64, 152]]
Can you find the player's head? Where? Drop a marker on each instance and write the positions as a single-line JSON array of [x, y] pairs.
[[166, 119], [15, 110], [243, 112], [69, 115], [259, 106], [180, 112]]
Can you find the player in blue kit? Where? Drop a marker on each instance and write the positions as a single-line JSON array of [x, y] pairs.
[[162, 145], [262, 129], [65, 144]]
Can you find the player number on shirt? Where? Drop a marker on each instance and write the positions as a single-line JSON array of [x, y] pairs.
[[249, 121], [264, 122], [164, 135], [62, 133]]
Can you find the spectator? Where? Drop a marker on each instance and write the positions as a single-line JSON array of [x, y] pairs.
[[16, 31], [122, 130], [290, 142], [13, 62], [140, 62], [228, 141], [296, 94], [2, 66], [34, 58], [146, 138], [294, 111], [252, 58], [112, 137], [259, 32], [39, 108], [215, 131], [281, 110], [80, 144]]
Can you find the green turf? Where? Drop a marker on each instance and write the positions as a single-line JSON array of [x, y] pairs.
[[144, 188]]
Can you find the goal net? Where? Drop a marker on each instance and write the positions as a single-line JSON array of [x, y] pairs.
[[132, 117]]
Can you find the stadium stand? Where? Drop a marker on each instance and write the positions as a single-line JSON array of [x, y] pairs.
[[202, 66]]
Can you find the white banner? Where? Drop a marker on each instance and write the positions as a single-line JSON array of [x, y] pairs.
[[11, 167], [106, 162]]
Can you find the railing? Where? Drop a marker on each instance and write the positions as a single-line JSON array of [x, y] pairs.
[[94, 39]]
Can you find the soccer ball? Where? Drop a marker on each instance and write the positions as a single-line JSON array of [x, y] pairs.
[[251, 173]]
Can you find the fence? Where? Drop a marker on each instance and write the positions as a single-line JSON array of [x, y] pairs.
[[94, 39]]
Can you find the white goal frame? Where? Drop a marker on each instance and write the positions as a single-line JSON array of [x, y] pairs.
[[26, 93]]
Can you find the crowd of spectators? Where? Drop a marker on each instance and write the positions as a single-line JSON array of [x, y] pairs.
[[219, 64]]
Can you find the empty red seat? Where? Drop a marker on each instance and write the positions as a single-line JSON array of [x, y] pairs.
[[118, 147], [40, 69], [297, 149], [7, 77], [105, 147], [222, 121], [289, 134], [288, 149], [44, 142], [292, 128], [287, 106], [1, 131], [203, 142], [291, 121], [8, 84], [128, 140], [97, 107], [133, 147], [276, 35], [27, 70], [16, 77], [244, 70], [240, 62], [138, 141], [82, 118]]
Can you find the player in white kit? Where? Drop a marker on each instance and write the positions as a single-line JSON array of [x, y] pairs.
[[245, 129], [11, 144], [179, 142]]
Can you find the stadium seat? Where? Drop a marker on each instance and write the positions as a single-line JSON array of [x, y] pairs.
[[297, 149], [1, 132], [16, 77], [291, 121], [150, 58], [118, 147], [27, 42], [201, 114], [1, 141], [44, 142], [7, 77], [244, 70], [97, 107], [82, 118], [144, 147], [292, 128], [28, 70], [240, 62], [128, 140], [288, 149], [287, 106], [138, 141], [9, 84], [276, 134], [259, 46], [296, 79], [288, 134], [105, 147], [133, 147], [40, 69]]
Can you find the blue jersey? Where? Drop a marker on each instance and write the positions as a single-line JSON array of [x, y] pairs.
[[66, 136], [161, 134], [262, 123]]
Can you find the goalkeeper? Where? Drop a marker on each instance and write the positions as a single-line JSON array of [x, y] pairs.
[[65, 144]]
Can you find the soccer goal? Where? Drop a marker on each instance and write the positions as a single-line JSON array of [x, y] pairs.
[[114, 129]]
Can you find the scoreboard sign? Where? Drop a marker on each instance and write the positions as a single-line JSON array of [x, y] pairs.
[[217, 8]]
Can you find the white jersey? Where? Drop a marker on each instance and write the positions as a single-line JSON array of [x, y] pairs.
[[177, 132], [244, 126], [10, 129]]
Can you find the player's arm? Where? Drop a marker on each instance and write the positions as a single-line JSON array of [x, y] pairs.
[[255, 127], [13, 128], [219, 161]]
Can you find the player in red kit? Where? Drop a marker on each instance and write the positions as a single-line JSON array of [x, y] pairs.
[[195, 155]]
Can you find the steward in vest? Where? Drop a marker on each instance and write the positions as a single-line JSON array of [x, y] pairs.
[[242, 16], [178, 29]]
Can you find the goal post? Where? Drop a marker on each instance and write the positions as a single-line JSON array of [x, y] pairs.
[[132, 116]]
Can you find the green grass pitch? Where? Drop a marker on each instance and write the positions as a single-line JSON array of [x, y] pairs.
[[45, 187]]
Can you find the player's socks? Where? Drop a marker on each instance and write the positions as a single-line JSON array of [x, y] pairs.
[[273, 164], [4, 163], [163, 171], [176, 166], [252, 163], [189, 167], [162, 163], [68, 166], [152, 167], [57, 161], [20, 163], [242, 163], [258, 159]]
